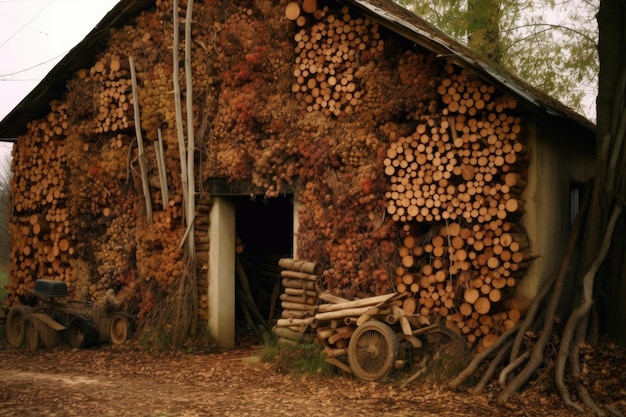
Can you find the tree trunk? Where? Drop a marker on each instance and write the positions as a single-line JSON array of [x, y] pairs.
[[483, 28], [610, 131]]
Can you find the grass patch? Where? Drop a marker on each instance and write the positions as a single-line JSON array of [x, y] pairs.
[[303, 359]]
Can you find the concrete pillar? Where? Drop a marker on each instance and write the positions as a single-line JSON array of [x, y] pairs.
[[221, 272]]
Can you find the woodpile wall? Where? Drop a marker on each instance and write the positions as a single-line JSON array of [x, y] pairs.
[[409, 171]]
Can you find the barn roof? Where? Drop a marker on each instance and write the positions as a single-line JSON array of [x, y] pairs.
[[387, 13]]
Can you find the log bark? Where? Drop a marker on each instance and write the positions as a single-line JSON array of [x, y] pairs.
[[367, 302], [298, 275], [298, 265]]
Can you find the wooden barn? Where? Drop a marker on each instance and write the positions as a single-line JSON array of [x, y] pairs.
[[349, 133]]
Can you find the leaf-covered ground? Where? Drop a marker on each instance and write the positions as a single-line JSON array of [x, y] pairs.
[[128, 381]]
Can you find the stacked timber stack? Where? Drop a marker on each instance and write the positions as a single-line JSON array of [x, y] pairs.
[[108, 82], [464, 173], [328, 55], [42, 240], [298, 300]]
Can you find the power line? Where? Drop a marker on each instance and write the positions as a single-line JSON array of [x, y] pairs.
[[27, 23], [34, 66], [24, 80], [19, 22]]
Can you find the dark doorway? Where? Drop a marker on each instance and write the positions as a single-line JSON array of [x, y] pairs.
[[264, 228]]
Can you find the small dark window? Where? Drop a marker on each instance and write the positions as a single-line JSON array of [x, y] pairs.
[[576, 193]]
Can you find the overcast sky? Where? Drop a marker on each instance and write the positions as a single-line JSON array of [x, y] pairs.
[[34, 36]]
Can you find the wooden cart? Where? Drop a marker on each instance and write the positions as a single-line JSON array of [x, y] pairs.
[[52, 319], [375, 348], [371, 336]]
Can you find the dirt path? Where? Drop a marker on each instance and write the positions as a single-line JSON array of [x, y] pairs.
[[129, 382]]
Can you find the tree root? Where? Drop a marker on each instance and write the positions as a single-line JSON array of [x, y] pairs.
[[421, 370], [536, 357], [612, 411], [511, 366], [491, 370], [528, 321], [566, 350], [473, 365]]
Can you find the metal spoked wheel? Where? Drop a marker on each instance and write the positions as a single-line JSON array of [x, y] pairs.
[[372, 350], [15, 325], [119, 330]]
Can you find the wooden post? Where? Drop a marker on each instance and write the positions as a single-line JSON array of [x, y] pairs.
[[158, 148], [191, 178], [142, 160]]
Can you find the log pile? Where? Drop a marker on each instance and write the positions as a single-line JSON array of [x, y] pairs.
[[464, 173], [328, 54], [158, 248], [42, 238], [298, 301], [114, 100], [300, 283]]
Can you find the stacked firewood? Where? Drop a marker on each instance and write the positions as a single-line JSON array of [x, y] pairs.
[[42, 237], [115, 270], [462, 172], [298, 300], [328, 54], [300, 283], [451, 170], [159, 254]]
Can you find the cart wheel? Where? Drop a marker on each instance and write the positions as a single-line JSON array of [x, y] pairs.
[[445, 346], [15, 326], [372, 350], [33, 338], [443, 338], [81, 333], [119, 330]]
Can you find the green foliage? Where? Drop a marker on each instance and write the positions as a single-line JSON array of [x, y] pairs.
[[303, 359], [553, 46], [5, 180]]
